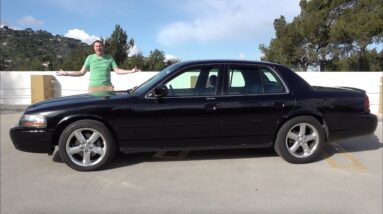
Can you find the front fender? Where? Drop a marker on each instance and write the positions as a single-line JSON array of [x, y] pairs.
[[65, 121]]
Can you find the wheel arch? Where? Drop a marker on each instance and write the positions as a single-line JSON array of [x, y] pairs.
[[313, 113], [66, 121]]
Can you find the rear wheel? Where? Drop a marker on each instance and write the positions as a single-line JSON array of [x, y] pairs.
[[86, 145], [300, 140]]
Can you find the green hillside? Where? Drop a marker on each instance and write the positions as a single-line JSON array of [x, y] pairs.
[[23, 50]]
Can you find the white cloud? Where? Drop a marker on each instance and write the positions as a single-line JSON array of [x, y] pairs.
[[134, 51], [30, 20], [81, 35], [242, 55], [3, 23], [169, 57], [225, 20]]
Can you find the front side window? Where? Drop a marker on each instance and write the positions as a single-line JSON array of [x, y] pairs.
[[194, 82], [253, 80]]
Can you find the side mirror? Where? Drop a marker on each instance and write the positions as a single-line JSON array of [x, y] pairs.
[[161, 91]]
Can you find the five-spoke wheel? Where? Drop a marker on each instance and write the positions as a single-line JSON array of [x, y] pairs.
[[300, 139], [86, 145]]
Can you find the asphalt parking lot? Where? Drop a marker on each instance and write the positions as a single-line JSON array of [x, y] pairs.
[[348, 179]]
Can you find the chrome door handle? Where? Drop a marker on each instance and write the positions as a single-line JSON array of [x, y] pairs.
[[211, 106], [279, 104]]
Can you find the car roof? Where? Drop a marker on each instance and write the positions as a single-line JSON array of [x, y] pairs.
[[293, 81], [232, 61]]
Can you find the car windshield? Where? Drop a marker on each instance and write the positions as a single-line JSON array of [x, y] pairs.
[[148, 84]]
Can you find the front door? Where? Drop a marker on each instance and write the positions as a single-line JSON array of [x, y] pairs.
[[186, 116]]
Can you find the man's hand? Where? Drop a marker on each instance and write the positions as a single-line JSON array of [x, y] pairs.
[[62, 73], [135, 69]]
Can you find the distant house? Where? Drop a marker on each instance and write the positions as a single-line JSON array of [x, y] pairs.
[[45, 64]]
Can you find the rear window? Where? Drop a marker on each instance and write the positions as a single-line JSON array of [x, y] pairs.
[[254, 80]]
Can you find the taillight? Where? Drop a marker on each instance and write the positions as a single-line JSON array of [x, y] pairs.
[[366, 104]]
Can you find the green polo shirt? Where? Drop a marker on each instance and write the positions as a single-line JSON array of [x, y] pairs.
[[100, 68]]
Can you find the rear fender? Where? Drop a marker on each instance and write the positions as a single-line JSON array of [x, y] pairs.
[[304, 112]]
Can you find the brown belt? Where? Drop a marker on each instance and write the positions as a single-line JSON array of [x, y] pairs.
[[93, 89]]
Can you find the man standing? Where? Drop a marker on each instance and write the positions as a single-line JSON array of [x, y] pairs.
[[100, 65]]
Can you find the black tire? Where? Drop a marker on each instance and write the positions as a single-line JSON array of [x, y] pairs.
[[300, 140], [86, 145]]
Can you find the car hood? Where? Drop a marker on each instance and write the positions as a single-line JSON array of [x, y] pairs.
[[79, 100]]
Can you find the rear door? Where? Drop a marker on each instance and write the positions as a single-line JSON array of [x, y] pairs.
[[254, 102]]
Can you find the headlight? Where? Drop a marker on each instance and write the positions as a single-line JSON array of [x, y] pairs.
[[33, 120]]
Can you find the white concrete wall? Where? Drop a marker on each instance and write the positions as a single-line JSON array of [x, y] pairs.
[[15, 86]]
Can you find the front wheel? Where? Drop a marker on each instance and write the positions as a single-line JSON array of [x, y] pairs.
[[86, 145], [300, 140]]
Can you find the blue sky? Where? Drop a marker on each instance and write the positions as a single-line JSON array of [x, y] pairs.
[[187, 29]]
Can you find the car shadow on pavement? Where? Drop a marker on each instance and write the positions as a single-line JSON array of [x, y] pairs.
[[352, 145], [122, 160], [358, 144]]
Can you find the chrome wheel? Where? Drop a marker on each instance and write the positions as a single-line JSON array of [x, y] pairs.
[[86, 147], [302, 140]]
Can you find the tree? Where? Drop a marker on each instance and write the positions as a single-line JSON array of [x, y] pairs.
[[40, 50], [315, 20], [360, 24], [156, 60], [287, 48], [33, 64], [137, 60], [76, 59], [30, 50], [169, 62], [118, 45], [329, 35]]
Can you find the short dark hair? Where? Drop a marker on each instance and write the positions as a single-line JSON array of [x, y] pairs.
[[97, 41]]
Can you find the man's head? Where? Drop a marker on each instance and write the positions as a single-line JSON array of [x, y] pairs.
[[98, 47]]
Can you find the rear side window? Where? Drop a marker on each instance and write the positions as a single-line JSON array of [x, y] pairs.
[[253, 80]]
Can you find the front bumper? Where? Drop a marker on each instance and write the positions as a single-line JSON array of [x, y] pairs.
[[32, 140]]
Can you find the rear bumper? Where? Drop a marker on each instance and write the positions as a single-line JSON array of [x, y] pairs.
[[32, 140], [343, 127]]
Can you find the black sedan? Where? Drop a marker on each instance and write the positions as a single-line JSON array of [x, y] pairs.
[[211, 104]]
